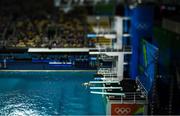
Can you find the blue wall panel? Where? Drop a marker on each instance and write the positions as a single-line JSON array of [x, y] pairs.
[[141, 27]]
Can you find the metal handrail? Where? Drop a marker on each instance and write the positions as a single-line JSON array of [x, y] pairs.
[[134, 96], [142, 88]]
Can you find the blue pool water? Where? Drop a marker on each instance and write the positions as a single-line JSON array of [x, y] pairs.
[[48, 93]]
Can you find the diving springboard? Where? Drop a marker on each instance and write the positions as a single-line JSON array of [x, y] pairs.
[[107, 79], [106, 88], [94, 82], [107, 93]]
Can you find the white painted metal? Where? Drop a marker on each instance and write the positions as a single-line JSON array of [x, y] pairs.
[[107, 79], [118, 28], [102, 82], [58, 50], [108, 93], [106, 88], [111, 53]]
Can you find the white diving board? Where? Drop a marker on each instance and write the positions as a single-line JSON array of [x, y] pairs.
[[106, 88], [99, 82], [107, 79], [107, 93]]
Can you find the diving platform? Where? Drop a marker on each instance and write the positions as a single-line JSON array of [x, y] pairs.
[[101, 88], [102, 82], [58, 50], [110, 53], [92, 51], [107, 79], [108, 93]]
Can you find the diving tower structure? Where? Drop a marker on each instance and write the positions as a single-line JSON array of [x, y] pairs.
[[111, 82]]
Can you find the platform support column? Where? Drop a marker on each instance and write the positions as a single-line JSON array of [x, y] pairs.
[[120, 66]]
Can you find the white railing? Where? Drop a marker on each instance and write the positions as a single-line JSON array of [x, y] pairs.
[[139, 94], [141, 87], [134, 97]]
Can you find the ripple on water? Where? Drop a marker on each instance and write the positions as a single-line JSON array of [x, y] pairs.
[[19, 104], [47, 95]]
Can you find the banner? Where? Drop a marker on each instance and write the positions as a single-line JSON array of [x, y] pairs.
[[127, 109], [141, 27], [147, 61]]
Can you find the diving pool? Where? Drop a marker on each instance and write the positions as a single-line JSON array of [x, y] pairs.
[[48, 93]]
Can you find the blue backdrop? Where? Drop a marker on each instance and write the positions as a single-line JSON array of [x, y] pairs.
[[141, 27]]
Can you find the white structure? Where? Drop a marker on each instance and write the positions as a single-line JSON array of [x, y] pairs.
[[112, 90], [116, 51]]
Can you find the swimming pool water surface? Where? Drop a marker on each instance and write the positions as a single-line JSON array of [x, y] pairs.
[[48, 93]]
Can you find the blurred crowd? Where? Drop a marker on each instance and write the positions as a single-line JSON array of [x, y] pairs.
[[43, 29]]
